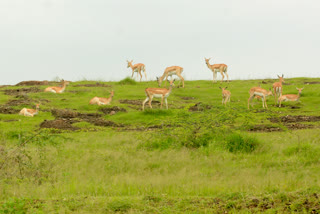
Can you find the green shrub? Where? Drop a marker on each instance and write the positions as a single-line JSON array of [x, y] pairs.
[[14, 205], [127, 81], [239, 143], [119, 205]]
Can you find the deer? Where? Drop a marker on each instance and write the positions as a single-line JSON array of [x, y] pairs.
[[162, 93], [137, 68], [263, 93], [101, 100], [290, 97], [215, 68], [277, 88], [58, 90], [169, 71], [29, 112], [225, 95]]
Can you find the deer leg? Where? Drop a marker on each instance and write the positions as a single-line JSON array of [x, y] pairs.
[[150, 100], [222, 76], [227, 76], [166, 102], [144, 102], [250, 98], [161, 101]]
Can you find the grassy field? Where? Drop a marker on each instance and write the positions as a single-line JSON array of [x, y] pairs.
[[197, 157]]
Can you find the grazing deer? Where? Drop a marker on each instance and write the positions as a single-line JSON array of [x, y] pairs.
[[290, 97], [215, 68], [162, 93], [277, 88], [263, 93], [137, 68], [58, 90], [29, 112], [101, 100], [225, 95], [169, 71]]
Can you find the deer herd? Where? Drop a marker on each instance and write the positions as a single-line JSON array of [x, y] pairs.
[[164, 93]]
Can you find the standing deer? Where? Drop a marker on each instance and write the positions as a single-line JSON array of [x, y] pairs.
[[169, 71], [225, 95], [215, 68], [137, 68], [277, 88]]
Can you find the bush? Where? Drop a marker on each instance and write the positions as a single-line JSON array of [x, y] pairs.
[[238, 143], [119, 205], [127, 81]]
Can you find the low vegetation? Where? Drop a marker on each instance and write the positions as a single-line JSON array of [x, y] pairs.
[[199, 156]]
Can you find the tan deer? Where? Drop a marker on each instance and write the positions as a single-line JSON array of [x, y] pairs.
[[290, 97], [137, 68], [263, 93], [225, 95], [277, 88], [101, 100], [162, 93], [215, 68], [58, 90], [30, 112], [169, 71]]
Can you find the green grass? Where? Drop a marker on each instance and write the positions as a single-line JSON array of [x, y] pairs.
[[162, 161]]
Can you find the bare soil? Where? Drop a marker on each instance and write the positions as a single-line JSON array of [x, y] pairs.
[[64, 124], [115, 109], [66, 113], [21, 91], [265, 128], [8, 110], [138, 102], [33, 82], [187, 98], [199, 107], [295, 119], [311, 83]]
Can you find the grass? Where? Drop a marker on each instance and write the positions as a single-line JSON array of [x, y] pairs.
[[162, 161]]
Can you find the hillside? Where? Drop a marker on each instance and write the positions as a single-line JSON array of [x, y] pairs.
[[198, 156]]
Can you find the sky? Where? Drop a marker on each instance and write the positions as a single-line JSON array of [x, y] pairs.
[[91, 40]]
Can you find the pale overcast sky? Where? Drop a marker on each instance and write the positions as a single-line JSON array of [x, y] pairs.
[[82, 39]]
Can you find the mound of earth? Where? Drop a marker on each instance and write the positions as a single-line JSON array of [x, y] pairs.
[[102, 122], [25, 101], [93, 85], [115, 109], [295, 119], [199, 107], [32, 82], [264, 128], [66, 113], [58, 124], [311, 83], [8, 110], [21, 91], [299, 126]]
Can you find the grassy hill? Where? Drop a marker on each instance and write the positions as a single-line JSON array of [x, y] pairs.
[[197, 157]]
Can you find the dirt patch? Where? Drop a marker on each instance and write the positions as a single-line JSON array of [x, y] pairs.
[[294, 126], [311, 83], [187, 98], [93, 85], [26, 101], [264, 128], [58, 124], [21, 91], [33, 82], [199, 107], [8, 110], [138, 102], [115, 109], [295, 119], [66, 113], [102, 122]]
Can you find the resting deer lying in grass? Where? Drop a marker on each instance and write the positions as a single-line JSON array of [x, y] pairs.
[[263, 93], [225, 95], [162, 93], [102, 101], [58, 90], [290, 97], [277, 88], [29, 112]]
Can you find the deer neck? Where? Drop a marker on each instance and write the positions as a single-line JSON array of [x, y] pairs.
[[208, 64]]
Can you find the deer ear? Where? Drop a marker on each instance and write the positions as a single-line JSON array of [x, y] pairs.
[[226, 87], [278, 76], [220, 87], [282, 75]]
